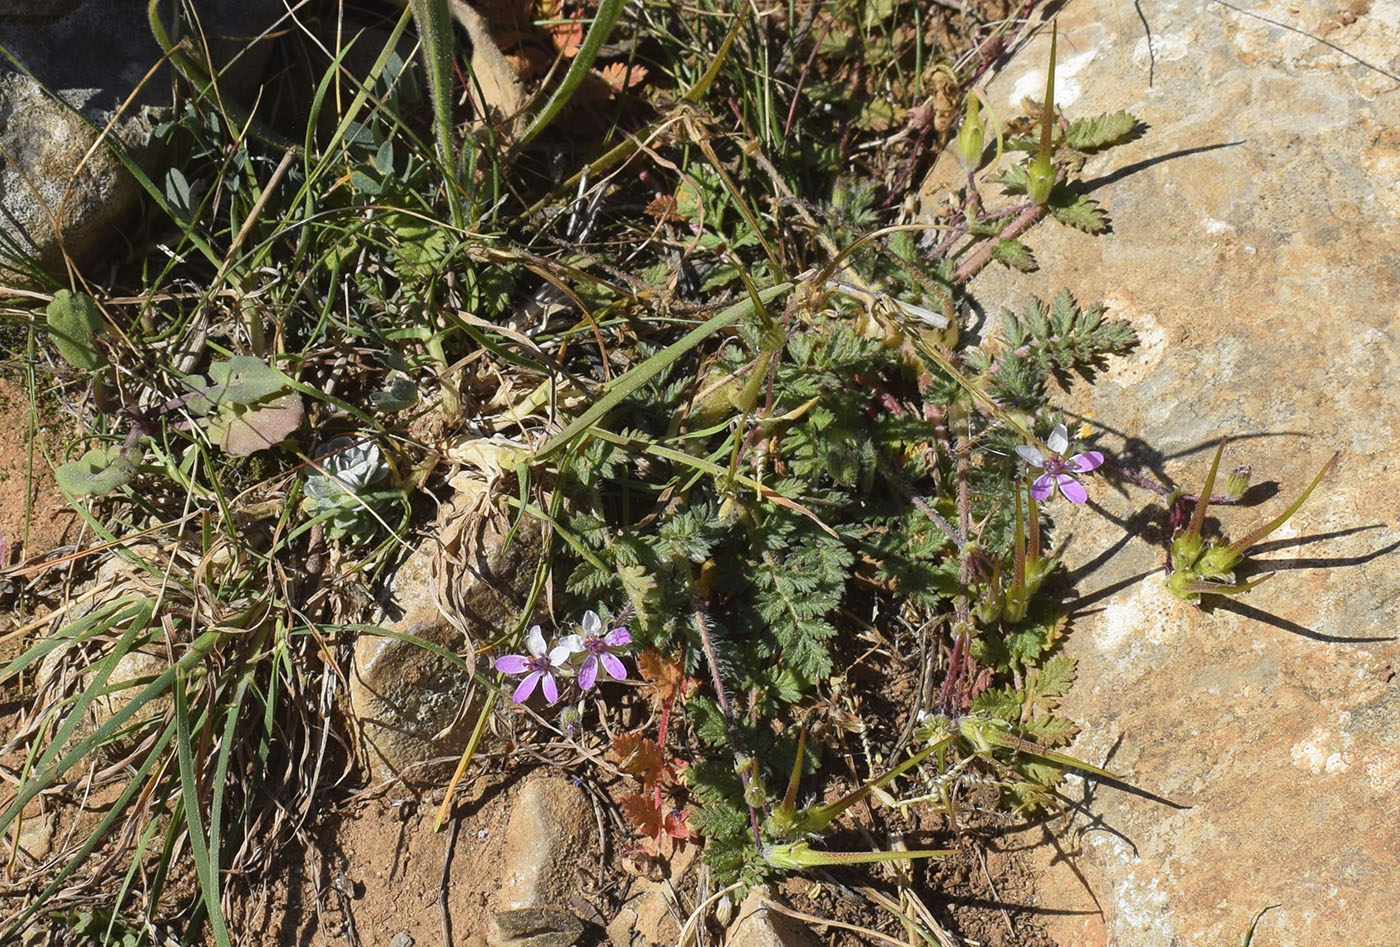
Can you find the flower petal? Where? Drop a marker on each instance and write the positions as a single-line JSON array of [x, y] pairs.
[[534, 641], [615, 668], [1072, 489], [592, 624], [1058, 441], [551, 689], [571, 643], [512, 664], [1042, 488], [1087, 461], [617, 638], [527, 687], [1030, 455], [588, 672], [558, 657]]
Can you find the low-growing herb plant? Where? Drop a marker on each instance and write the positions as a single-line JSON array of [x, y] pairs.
[[754, 422], [1199, 567]]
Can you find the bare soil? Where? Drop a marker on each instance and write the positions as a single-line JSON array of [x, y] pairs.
[[34, 516]]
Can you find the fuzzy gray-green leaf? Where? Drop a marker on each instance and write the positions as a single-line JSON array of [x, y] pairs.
[[74, 322], [97, 473], [243, 380], [241, 430]]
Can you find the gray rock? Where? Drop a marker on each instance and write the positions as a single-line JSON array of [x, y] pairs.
[[1256, 248], [57, 192], [534, 927], [549, 838], [409, 701], [36, 9]]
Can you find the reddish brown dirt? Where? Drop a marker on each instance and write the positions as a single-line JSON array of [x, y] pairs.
[[34, 517], [376, 870]]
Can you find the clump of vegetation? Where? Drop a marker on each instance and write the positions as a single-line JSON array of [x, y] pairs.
[[734, 383]]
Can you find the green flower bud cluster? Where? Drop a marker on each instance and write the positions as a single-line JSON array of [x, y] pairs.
[[1200, 567]]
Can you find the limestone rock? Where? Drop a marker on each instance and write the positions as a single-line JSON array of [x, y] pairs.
[[57, 192], [1256, 248], [651, 915], [406, 698], [409, 700], [759, 926], [549, 838]]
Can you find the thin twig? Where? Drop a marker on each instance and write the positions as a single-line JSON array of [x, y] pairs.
[[919, 503], [446, 914]]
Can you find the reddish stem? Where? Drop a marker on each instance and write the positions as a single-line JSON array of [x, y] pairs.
[[973, 264], [661, 745]]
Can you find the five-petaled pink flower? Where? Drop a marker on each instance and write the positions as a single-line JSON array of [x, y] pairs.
[[538, 666], [598, 648], [1059, 470]]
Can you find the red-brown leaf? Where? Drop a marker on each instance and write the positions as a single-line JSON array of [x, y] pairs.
[[642, 813]]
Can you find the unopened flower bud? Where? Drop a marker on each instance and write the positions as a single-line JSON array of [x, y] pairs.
[[971, 137], [570, 720], [1040, 178], [1219, 562], [1238, 482], [724, 911]]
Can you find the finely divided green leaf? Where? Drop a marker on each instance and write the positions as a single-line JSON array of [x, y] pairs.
[[1081, 214], [1051, 681], [1050, 731], [1104, 131], [1014, 254]]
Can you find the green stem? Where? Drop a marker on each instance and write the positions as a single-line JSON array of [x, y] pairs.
[[603, 23], [435, 30], [1240, 546]]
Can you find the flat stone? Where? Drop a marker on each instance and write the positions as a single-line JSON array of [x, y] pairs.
[[534, 927], [550, 839], [1256, 249]]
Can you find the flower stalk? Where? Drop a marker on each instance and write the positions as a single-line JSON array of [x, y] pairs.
[[1040, 173]]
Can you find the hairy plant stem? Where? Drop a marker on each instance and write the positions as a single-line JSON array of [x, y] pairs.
[[736, 743], [1161, 490], [920, 504], [973, 264], [962, 627]]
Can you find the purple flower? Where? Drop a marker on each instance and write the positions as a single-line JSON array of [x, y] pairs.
[[598, 649], [1059, 471], [538, 665]]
